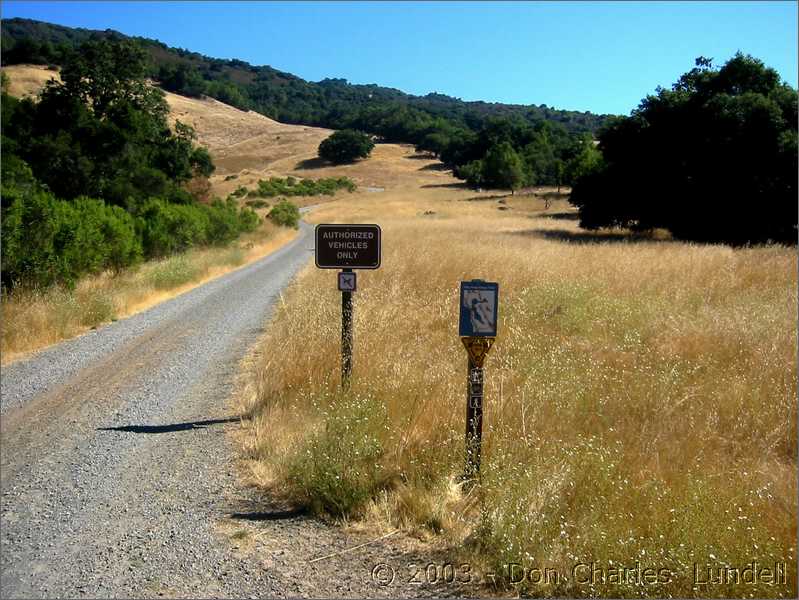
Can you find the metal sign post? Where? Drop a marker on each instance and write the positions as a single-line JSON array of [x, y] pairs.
[[346, 326], [347, 247], [478, 330]]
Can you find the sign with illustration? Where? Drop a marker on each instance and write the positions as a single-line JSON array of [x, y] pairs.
[[478, 313]]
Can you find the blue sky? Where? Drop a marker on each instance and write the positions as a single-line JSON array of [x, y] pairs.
[[597, 56]]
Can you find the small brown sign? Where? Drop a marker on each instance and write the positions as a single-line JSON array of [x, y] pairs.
[[347, 246]]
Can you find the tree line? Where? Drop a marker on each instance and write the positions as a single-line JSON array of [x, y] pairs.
[[506, 153], [93, 178], [276, 94]]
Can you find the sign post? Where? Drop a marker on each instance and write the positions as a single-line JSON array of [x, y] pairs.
[[346, 331], [347, 247], [477, 330]]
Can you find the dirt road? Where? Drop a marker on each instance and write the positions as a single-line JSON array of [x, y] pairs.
[[118, 479]]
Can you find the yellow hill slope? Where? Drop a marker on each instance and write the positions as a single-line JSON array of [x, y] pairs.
[[251, 146]]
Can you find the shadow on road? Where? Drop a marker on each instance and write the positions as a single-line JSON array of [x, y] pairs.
[[168, 428]]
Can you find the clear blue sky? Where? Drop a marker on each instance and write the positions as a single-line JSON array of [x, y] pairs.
[[597, 56]]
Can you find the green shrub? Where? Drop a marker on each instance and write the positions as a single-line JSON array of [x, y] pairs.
[[256, 203], [339, 470], [275, 186], [248, 220], [286, 214], [223, 222], [28, 231], [168, 228], [92, 237], [46, 240], [173, 272], [346, 146]]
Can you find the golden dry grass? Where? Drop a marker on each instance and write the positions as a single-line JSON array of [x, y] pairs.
[[34, 319], [640, 399], [26, 81]]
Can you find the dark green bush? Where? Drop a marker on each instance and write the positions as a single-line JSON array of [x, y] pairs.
[[168, 228], [346, 146], [224, 222], [286, 214], [46, 240], [248, 220], [256, 203], [275, 186]]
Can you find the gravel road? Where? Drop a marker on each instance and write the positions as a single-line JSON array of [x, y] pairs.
[[117, 476]]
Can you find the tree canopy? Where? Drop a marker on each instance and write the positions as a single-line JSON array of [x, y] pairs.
[[714, 159], [93, 178], [510, 153], [103, 131], [346, 146]]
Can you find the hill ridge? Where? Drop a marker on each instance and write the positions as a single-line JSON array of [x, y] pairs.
[[277, 94]]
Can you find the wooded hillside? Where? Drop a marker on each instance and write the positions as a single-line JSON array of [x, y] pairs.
[[333, 103]]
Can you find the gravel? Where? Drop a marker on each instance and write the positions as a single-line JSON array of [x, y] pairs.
[[118, 477]]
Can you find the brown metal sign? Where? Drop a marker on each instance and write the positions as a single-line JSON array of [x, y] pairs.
[[347, 246]]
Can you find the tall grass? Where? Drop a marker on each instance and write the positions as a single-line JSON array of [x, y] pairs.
[[34, 318], [640, 404]]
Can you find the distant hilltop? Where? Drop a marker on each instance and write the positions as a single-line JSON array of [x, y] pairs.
[[332, 102]]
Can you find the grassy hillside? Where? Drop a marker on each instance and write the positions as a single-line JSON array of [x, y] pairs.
[[274, 93]]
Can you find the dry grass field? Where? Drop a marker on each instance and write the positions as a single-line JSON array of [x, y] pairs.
[[640, 399], [26, 81]]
